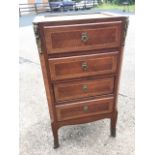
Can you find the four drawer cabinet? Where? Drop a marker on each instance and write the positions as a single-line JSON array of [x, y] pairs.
[[81, 57]]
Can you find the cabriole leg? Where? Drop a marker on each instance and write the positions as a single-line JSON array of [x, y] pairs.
[[55, 135], [113, 124]]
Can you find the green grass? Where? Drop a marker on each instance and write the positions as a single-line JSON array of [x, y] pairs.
[[116, 7]]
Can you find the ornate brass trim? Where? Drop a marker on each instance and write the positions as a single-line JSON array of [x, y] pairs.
[[38, 42], [125, 30]]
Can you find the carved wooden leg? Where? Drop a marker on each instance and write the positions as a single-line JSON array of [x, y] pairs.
[[55, 135], [113, 124]]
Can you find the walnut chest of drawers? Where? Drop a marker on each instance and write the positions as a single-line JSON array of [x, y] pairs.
[[81, 59]]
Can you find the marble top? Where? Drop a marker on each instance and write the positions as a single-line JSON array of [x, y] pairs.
[[71, 16]]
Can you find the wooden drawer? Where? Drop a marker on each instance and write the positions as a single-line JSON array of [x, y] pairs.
[[84, 108], [81, 66], [72, 38], [83, 88]]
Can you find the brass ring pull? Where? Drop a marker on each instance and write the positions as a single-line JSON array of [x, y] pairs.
[[84, 66], [85, 88], [84, 36], [85, 108]]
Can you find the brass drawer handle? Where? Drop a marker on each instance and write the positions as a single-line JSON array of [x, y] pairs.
[[84, 36], [85, 108], [85, 88], [84, 66]]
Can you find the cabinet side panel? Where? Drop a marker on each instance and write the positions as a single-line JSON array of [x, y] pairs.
[[45, 72], [124, 27]]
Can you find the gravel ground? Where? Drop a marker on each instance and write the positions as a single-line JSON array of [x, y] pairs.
[[86, 139]]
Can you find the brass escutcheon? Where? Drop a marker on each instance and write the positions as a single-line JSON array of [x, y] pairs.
[[85, 88], [84, 66], [85, 108], [84, 36]]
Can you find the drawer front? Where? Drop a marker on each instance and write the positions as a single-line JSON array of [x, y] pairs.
[[83, 88], [85, 108], [72, 38], [81, 66]]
